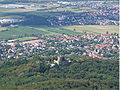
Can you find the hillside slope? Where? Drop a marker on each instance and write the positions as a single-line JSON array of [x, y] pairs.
[[82, 74]]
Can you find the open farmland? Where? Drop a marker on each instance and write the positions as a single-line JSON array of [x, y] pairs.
[[20, 31], [59, 18], [13, 10], [75, 10], [2, 28], [94, 28], [11, 33], [26, 38], [56, 30], [18, 10], [28, 30]]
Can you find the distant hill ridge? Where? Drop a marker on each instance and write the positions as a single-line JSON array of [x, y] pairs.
[[48, 0]]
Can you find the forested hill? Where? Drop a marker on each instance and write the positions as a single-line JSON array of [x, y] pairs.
[[83, 73]]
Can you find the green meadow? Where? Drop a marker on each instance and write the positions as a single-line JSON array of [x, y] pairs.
[[16, 32], [25, 39], [102, 29]]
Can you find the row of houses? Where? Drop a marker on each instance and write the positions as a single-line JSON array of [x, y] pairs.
[[10, 20], [98, 14]]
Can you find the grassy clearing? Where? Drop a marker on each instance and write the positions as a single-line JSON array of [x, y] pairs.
[[13, 10], [19, 10], [25, 39], [94, 28], [13, 33], [2, 28]]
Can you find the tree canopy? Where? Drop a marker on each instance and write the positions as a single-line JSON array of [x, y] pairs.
[[83, 73]]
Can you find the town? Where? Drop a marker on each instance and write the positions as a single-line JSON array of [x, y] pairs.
[[59, 44], [104, 46], [94, 14], [69, 13]]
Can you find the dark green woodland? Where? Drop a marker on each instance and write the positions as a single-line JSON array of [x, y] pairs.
[[82, 73]]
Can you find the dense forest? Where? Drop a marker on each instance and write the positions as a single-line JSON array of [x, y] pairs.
[[83, 73]]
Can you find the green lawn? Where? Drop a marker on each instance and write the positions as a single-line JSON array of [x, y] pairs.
[[25, 39]]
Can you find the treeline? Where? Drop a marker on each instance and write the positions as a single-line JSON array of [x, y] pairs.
[[84, 73]]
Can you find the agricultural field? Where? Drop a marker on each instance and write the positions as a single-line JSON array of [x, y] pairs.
[[13, 10], [59, 18], [26, 38], [13, 33], [20, 31], [72, 9], [2, 28], [94, 28]]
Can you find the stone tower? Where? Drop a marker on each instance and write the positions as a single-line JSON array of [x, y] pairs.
[[59, 58]]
